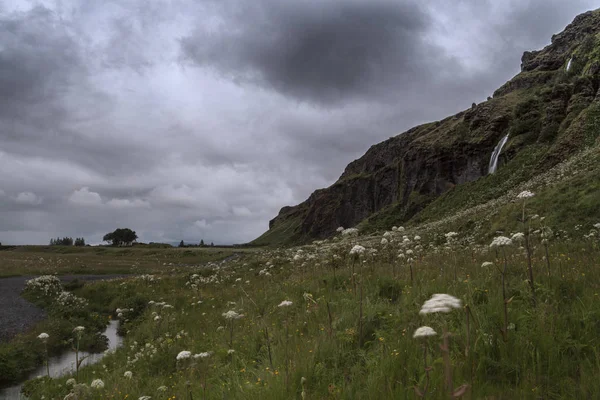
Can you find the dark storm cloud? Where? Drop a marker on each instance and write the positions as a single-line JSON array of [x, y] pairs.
[[38, 62], [316, 50]]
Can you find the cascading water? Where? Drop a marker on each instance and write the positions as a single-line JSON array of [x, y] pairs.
[[569, 64], [496, 154]]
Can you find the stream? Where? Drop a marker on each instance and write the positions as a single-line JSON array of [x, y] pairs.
[[64, 364]]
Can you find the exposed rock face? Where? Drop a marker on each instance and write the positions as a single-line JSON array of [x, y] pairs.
[[410, 170]]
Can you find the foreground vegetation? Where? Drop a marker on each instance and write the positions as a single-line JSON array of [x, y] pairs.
[[336, 319]]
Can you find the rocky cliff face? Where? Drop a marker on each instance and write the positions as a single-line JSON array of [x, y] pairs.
[[546, 105]]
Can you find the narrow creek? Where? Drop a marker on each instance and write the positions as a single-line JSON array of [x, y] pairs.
[[64, 364]]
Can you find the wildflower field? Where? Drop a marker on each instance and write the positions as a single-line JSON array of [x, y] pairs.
[[401, 314]]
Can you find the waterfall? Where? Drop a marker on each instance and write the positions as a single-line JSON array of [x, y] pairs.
[[569, 64], [496, 154]]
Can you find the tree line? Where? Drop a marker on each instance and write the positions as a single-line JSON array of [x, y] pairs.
[[201, 244], [67, 241]]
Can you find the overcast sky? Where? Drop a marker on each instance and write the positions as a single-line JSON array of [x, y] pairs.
[[200, 119]]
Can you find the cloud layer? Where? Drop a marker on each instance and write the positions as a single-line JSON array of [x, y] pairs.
[[199, 120]]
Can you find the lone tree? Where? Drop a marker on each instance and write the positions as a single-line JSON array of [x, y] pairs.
[[201, 242], [121, 237], [181, 244]]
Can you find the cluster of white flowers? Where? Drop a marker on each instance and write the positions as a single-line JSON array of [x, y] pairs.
[[340, 229], [43, 336], [424, 331], [231, 315], [70, 301], [285, 303], [183, 355], [128, 374], [350, 232], [501, 241], [97, 384], [45, 285], [440, 303], [518, 237], [205, 354], [357, 250], [525, 194], [486, 264]]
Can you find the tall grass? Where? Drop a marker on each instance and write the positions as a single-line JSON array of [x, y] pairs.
[[358, 344]]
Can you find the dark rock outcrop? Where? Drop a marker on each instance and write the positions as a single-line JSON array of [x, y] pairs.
[[410, 170]]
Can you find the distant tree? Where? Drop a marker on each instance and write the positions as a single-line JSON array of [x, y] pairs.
[[181, 244], [80, 242], [201, 242], [212, 244], [120, 237]]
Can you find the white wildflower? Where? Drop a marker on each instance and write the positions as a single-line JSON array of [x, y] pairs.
[[97, 384], [232, 315], [43, 336], [501, 241], [525, 194], [440, 303], [70, 382], [486, 264], [518, 237], [128, 374], [357, 250], [184, 355], [285, 303], [424, 331]]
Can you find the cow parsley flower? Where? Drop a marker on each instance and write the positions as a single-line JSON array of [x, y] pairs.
[[486, 264], [144, 398], [424, 331], [357, 250], [161, 389], [285, 303], [97, 384], [525, 194], [70, 382], [183, 355], [128, 374], [340, 229], [518, 237], [79, 329], [232, 315], [43, 336], [384, 241], [440, 303], [230, 351], [501, 241], [205, 354], [597, 226]]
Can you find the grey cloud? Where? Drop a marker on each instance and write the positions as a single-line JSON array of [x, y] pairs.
[[318, 51]]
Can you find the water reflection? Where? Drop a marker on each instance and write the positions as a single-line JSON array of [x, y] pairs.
[[64, 364]]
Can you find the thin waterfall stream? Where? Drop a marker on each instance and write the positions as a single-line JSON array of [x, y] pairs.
[[496, 155]]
